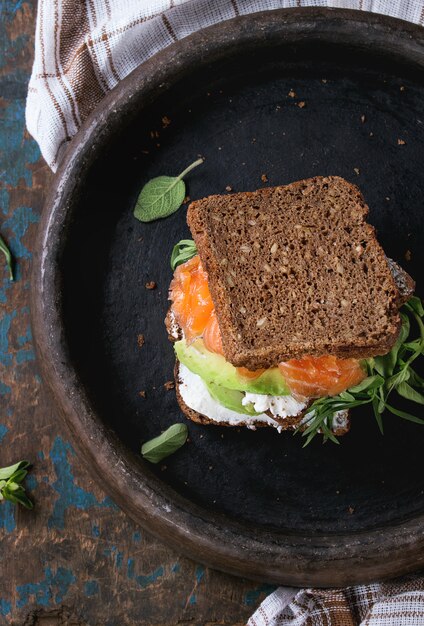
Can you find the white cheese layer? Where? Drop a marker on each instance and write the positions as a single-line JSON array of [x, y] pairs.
[[280, 406], [174, 329], [196, 396]]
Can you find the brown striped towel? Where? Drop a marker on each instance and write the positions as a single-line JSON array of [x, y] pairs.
[[83, 48], [399, 603]]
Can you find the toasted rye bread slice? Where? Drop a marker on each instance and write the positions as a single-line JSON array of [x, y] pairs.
[[296, 270], [288, 423], [404, 283]]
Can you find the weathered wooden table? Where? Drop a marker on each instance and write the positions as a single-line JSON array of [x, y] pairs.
[[76, 558]]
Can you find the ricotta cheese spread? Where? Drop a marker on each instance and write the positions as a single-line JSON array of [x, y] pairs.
[[280, 406], [175, 330], [196, 396]]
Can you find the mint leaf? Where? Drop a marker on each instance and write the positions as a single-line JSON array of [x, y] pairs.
[[183, 251], [162, 196], [165, 444], [10, 484], [7, 472]]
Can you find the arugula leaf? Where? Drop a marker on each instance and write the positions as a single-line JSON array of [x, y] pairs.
[[8, 256], [368, 384], [165, 444], [377, 414], [388, 374], [404, 415], [385, 364], [408, 392], [162, 196], [415, 379], [416, 305]]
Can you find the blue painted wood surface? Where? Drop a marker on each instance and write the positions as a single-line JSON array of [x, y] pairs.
[[76, 557]]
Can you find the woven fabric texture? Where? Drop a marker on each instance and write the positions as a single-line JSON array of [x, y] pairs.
[[83, 48]]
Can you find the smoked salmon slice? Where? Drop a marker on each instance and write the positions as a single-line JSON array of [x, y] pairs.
[[316, 377], [191, 299], [212, 335]]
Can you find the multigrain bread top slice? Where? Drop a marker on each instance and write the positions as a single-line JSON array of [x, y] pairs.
[[296, 270]]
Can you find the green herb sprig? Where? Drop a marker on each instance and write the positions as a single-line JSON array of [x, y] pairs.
[[183, 251], [162, 196], [8, 256], [387, 375], [158, 448], [11, 488]]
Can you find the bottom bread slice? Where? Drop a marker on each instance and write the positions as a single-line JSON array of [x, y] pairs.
[[252, 422]]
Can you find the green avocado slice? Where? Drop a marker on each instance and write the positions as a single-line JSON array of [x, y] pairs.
[[230, 398], [214, 368]]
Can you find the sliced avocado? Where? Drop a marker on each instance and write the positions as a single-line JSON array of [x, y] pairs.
[[230, 398], [213, 368]]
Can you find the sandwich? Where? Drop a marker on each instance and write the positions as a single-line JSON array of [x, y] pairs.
[[283, 307]]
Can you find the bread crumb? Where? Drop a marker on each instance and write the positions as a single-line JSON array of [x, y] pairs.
[[165, 121], [301, 104], [228, 188], [371, 134], [408, 255], [292, 94], [154, 133], [264, 178], [169, 385], [402, 88], [387, 198], [186, 199], [163, 468], [324, 80], [140, 340], [351, 510], [142, 394], [151, 285], [356, 170], [401, 142], [363, 118]]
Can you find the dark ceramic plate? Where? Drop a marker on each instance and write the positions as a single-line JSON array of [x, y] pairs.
[[251, 503]]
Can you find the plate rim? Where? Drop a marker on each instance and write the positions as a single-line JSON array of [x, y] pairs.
[[201, 534]]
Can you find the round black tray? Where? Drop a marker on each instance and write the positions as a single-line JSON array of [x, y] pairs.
[[289, 94]]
